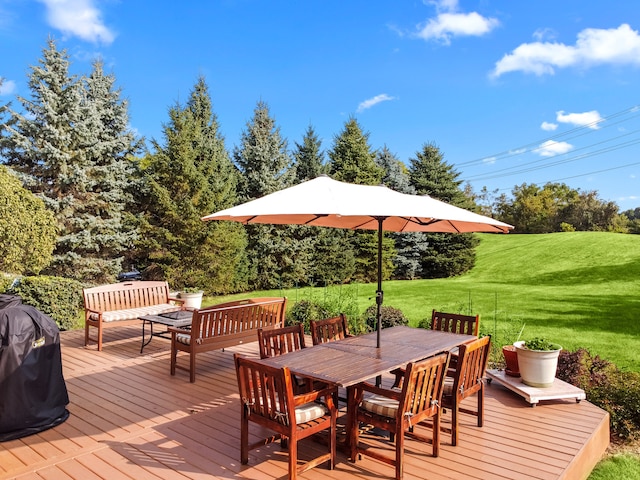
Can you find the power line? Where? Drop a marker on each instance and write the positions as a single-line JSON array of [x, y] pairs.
[[568, 135]]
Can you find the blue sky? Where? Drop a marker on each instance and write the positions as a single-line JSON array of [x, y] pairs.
[[511, 91]]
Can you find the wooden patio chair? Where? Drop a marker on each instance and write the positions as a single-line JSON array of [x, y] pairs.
[[467, 380], [268, 400], [398, 411], [278, 341], [329, 329], [447, 322], [455, 323]]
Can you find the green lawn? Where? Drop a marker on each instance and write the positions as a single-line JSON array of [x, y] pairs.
[[579, 289]]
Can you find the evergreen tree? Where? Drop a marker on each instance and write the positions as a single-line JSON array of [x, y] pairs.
[[448, 254], [278, 254], [71, 147], [410, 246], [309, 158], [188, 177], [352, 161], [331, 262]]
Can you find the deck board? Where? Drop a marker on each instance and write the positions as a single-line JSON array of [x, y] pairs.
[[130, 419]]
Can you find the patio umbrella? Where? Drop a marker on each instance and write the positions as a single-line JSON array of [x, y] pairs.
[[324, 202]]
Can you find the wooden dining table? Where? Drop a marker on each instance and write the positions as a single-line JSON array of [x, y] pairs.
[[355, 359], [352, 360]]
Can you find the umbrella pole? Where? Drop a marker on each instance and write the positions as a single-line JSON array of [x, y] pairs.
[[379, 294]]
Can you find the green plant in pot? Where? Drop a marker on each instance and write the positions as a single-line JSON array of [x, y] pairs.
[[538, 361]]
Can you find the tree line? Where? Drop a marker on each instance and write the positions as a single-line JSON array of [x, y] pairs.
[[85, 198]]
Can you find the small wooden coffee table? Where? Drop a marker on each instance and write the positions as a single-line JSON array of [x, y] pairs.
[[180, 318]]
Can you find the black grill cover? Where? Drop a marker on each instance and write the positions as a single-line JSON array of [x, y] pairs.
[[33, 394]]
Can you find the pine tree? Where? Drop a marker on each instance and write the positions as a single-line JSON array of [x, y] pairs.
[[331, 262], [71, 147], [188, 177], [309, 158], [353, 161], [278, 254], [410, 246], [448, 254]]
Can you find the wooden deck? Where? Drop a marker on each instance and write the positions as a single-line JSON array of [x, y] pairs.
[[131, 420]]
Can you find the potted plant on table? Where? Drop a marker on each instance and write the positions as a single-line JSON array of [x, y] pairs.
[[538, 361], [192, 297]]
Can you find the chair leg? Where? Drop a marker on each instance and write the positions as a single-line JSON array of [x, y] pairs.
[[481, 406], [174, 358], [244, 439], [293, 459], [454, 424], [399, 454], [192, 367], [435, 441]]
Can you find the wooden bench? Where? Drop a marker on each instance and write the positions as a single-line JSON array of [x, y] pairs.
[[107, 305], [225, 325]]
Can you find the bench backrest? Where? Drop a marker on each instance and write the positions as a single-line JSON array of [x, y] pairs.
[[237, 317], [125, 295]]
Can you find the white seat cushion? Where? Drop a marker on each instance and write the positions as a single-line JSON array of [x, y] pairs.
[[133, 313], [183, 338], [380, 405], [310, 411]]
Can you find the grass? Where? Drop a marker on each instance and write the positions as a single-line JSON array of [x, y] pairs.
[[617, 467], [578, 289]]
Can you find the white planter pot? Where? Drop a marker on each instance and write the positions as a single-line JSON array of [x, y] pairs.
[[537, 368], [192, 299]]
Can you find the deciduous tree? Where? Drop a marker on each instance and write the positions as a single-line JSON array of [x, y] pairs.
[[27, 228]]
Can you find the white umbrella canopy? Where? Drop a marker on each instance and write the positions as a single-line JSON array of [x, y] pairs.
[[324, 202]]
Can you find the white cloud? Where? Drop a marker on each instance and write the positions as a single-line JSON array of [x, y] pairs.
[[79, 18], [548, 126], [451, 23], [517, 151], [594, 46], [374, 101], [544, 34], [489, 160], [8, 87], [551, 148], [590, 119]]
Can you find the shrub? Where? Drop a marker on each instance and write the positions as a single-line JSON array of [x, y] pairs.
[[58, 297], [306, 310], [606, 386], [335, 300], [389, 317]]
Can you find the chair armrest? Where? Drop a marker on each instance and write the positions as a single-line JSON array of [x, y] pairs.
[[385, 392], [312, 396], [175, 330]]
